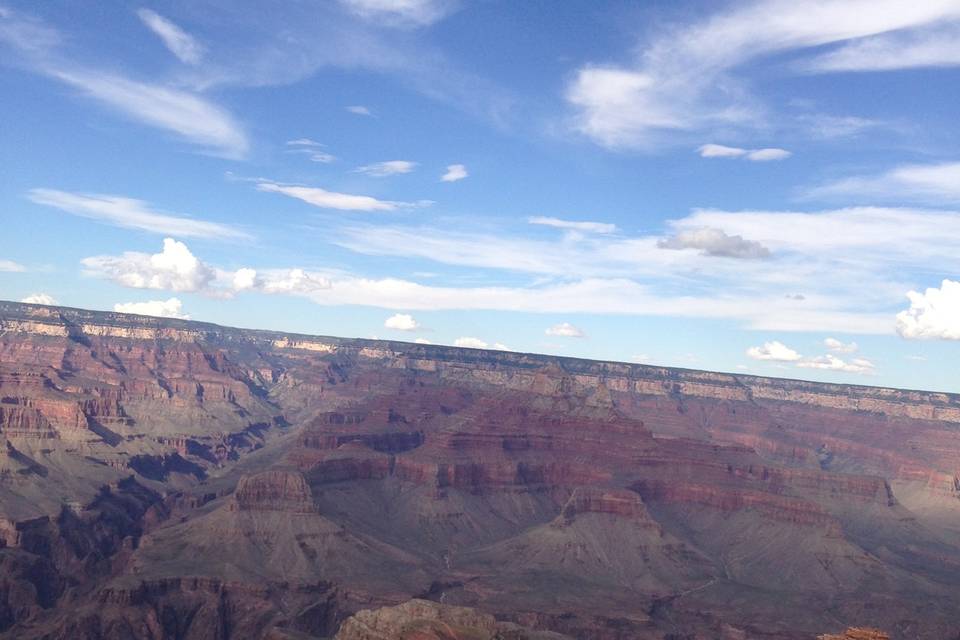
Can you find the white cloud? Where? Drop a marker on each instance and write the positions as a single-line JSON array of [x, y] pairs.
[[244, 278], [566, 330], [766, 155], [821, 125], [422, 341], [715, 242], [314, 150], [292, 282], [130, 213], [179, 42], [11, 266], [472, 343], [330, 199], [175, 268], [454, 172], [170, 308], [928, 183], [720, 151], [685, 78], [831, 362], [401, 322], [775, 351], [933, 314], [574, 225], [897, 50], [840, 347], [172, 109], [189, 116], [387, 168], [359, 109], [401, 13], [756, 155], [844, 263], [40, 298]]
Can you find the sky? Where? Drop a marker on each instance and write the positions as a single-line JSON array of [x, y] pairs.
[[765, 187]]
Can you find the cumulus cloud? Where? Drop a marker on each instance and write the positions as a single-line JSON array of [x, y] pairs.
[[422, 341], [775, 351], [387, 168], [472, 343], [312, 149], [400, 13], [401, 322], [840, 347], [565, 330], [292, 281], [831, 362], [11, 266], [914, 182], [131, 213], [170, 308], [685, 78], [933, 314], [40, 298], [331, 199], [454, 172], [179, 42], [573, 225], [715, 242], [756, 155], [245, 278], [175, 268], [359, 109]]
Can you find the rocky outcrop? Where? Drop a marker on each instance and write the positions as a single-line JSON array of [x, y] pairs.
[[425, 620], [856, 633], [274, 491]]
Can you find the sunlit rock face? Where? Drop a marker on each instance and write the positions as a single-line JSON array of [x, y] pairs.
[[170, 479]]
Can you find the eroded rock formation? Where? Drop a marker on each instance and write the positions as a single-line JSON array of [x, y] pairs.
[[171, 479]]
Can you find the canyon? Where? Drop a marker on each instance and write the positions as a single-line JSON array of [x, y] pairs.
[[164, 478]]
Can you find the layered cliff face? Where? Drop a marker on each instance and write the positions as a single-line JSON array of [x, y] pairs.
[[168, 479]]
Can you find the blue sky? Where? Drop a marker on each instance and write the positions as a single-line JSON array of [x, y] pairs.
[[765, 187]]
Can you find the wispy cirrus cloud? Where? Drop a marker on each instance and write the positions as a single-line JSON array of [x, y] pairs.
[[401, 13], [11, 267], [130, 213], [685, 79], [755, 155], [910, 182], [387, 168], [188, 115], [586, 226], [359, 110], [180, 43], [932, 47], [311, 148], [333, 200]]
